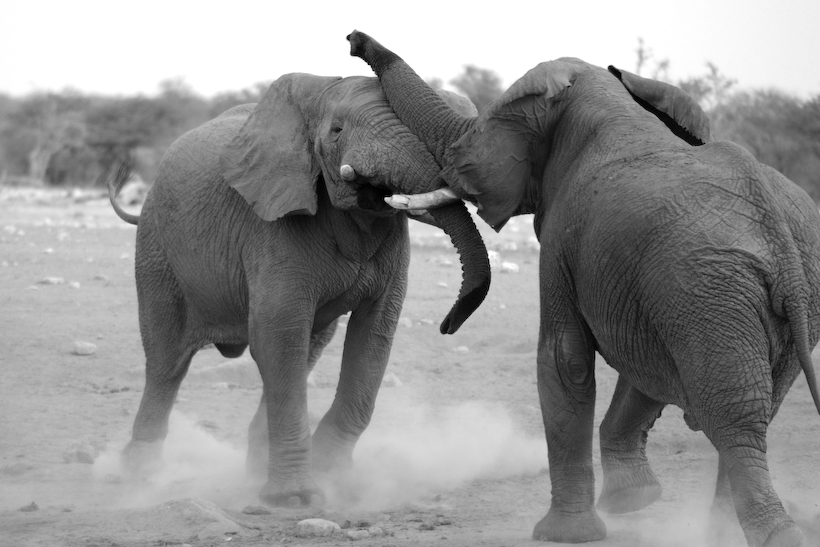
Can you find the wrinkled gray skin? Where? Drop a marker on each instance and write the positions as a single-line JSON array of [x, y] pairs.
[[693, 270], [252, 236]]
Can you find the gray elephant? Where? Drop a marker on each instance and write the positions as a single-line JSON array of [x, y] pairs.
[[263, 227], [690, 267]]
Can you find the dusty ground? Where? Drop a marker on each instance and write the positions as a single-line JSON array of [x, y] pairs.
[[454, 456]]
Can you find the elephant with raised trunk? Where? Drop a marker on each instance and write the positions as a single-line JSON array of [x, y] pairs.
[[263, 227], [690, 267]]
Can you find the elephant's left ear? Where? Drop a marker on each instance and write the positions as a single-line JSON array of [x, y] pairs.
[[673, 106], [270, 162]]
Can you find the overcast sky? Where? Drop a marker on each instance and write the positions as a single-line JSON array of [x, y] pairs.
[[119, 48]]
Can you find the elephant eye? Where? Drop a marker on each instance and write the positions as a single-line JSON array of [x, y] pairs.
[[335, 130]]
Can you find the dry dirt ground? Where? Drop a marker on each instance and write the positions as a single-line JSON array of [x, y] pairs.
[[454, 455]]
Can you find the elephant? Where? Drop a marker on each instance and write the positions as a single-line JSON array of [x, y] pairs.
[[264, 226], [693, 269]]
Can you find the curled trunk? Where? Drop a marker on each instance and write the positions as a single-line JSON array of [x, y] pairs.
[[457, 223]]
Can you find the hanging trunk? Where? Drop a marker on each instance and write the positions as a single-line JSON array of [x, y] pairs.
[[457, 223]]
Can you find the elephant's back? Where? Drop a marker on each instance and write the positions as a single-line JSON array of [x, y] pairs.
[[201, 224]]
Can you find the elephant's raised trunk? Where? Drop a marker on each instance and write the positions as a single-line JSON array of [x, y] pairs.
[[415, 103]]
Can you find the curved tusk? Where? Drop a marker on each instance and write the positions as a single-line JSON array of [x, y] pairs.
[[348, 173], [428, 200]]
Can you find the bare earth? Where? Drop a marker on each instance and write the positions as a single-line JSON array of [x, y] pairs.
[[455, 454]]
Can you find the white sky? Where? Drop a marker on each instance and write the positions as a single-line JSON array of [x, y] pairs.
[[115, 48]]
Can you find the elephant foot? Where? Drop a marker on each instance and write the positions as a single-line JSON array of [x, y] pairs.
[[564, 527], [292, 497], [141, 459], [629, 489]]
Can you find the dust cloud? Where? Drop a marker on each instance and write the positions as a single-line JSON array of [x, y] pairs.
[[435, 449], [409, 454]]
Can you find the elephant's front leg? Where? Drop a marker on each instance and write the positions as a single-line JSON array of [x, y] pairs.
[[566, 387], [279, 345], [366, 352], [256, 463], [629, 482]]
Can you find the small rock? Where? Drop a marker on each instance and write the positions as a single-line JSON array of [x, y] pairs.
[[125, 256], [84, 348], [29, 508], [51, 281], [495, 259], [74, 285], [317, 528], [357, 534], [5, 263], [62, 236], [442, 284], [391, 380], [82, 452], [461, 349], [427, 322], [48, 251], [10, 229], [405, 322], [257, 510], [509, 267], [375, 531], [101, 277]]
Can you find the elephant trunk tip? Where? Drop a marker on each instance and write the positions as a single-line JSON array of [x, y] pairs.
[[370, 51]]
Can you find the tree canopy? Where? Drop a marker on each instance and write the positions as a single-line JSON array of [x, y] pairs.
[[69, 138]]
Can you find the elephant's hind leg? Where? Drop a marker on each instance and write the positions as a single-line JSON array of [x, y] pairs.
[[168, 352], [733, 402], [629, 482]]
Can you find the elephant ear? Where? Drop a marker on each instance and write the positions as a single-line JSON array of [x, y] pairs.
[[673, 106], [269, 162], [462, 105], [493, 161]]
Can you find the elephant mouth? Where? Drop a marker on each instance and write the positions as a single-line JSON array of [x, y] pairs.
[[370, 197]]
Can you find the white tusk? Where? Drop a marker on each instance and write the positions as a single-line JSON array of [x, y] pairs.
[[348, 173], [428, 200]]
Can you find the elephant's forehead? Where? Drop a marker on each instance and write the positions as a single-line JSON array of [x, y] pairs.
[[355, 91]]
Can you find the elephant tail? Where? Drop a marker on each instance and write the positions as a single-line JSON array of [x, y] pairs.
[[115, 184], [799, 325]]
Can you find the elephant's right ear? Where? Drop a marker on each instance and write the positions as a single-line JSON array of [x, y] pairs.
[[672, 105], [269, 162]]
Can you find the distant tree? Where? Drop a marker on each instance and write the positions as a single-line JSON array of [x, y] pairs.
[[480, 85], [710, 90], [778, 129], [49, 123], [228, 99]]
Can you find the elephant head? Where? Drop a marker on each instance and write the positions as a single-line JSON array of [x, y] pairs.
[[341, 133], [500, 158]]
